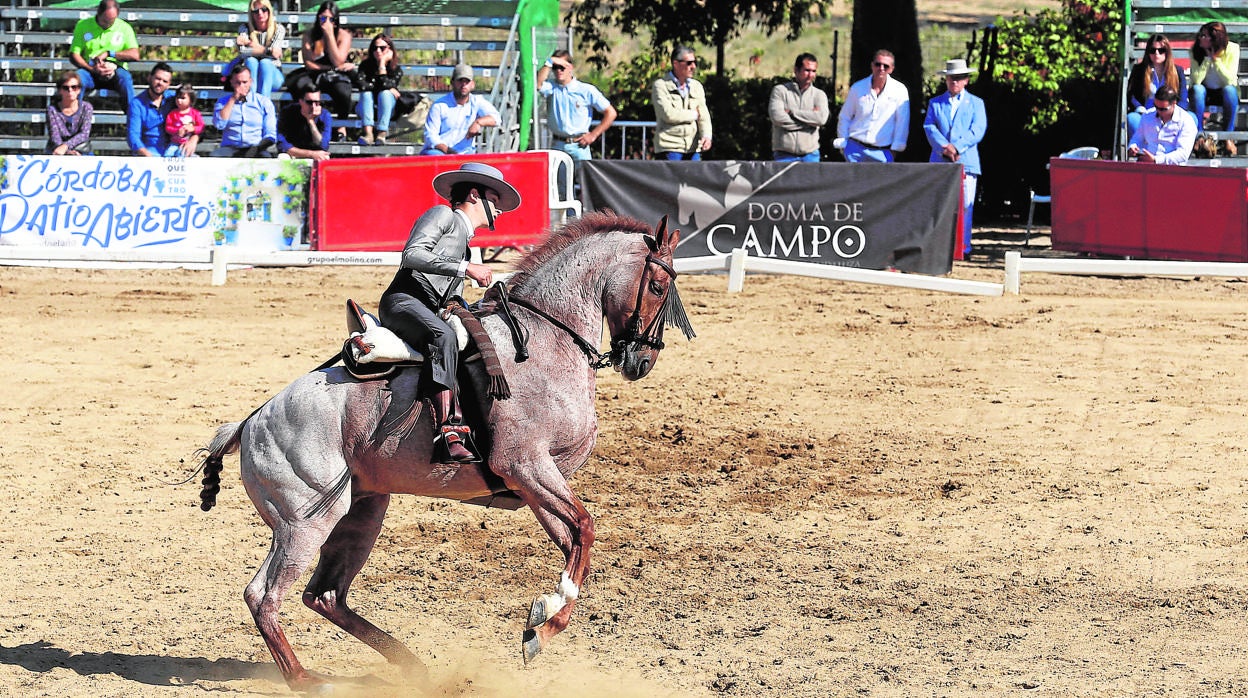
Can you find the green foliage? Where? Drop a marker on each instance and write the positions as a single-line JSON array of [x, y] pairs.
[[1039, 56]]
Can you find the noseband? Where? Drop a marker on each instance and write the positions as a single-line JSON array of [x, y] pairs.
[[672, 312]]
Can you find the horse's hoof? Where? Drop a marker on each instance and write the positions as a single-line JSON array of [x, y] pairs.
[[544, 608], [531, 646]]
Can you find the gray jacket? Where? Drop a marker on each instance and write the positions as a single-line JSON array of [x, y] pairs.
[[437, 250]]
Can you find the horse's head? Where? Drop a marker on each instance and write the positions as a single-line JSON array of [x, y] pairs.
[[636, 322]]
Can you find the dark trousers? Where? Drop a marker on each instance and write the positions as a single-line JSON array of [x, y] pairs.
[[407, 310]]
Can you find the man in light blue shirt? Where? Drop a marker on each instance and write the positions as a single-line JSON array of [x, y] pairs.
[[570, 106], [247, 122], [455, 120]]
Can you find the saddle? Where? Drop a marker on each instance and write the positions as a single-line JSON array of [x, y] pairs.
[[372, 352]]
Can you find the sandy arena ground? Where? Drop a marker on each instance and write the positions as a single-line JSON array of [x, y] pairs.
[[834, 490]]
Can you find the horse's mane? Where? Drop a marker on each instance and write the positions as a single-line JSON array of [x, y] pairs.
[[592, 223]]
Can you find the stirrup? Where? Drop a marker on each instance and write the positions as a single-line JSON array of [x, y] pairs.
[[453, 444]]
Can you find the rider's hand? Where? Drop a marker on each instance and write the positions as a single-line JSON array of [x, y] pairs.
[[480, 274]]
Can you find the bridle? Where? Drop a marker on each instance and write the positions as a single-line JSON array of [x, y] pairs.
[[672, 312]]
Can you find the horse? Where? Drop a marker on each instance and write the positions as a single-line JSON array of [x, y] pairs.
[[320, 461]]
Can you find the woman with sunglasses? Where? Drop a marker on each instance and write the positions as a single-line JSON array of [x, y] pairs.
[[380, 74], [260, 43], [1155, 71], [328, 60], [69, 118], [1215, 66]]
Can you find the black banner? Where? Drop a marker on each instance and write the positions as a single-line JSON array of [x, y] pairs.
[[865, 215]]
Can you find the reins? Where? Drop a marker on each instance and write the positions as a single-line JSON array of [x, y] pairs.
[[596, 360]]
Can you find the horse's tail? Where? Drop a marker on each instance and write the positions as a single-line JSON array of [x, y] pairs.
[[223, 444]]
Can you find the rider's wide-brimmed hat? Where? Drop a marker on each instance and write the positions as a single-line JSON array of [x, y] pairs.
[[955, 68], [483, 174]]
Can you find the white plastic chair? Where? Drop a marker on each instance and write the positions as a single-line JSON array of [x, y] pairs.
[[1086, 152], [561, 197]]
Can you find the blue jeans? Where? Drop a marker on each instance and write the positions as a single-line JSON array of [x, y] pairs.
[[781, 156], [121, 83], [265, 75], [382, 103], [857, 152], [673, 155], [1230, 104]]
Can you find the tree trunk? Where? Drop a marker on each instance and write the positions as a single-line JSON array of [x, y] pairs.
[[893, 25]]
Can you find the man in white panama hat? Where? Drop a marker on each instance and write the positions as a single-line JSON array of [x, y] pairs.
[[955, 124], [435, 262]]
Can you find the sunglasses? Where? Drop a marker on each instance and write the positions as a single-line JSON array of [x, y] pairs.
[[691, 61], [260, 11], [1157, 49], [885, 66], [67, 88], [381, 47], [558, 67], [310, 102]]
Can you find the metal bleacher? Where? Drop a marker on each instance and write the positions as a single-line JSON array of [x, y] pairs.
[[1179, 20], [34, 49]]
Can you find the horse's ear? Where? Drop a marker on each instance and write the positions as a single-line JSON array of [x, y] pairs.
[[665, 241]]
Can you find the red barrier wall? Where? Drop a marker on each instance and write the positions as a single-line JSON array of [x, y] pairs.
[[369, 204], [1150, 211]]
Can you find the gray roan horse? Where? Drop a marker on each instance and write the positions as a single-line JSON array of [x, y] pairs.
[[320, 463]]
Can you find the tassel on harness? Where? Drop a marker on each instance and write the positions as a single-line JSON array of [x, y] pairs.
[[499, 389]]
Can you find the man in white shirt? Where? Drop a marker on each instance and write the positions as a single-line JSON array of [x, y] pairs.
[[875, 120], [1167, 134]]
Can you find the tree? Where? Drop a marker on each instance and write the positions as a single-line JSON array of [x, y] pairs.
[[892, 25], [671, 22]]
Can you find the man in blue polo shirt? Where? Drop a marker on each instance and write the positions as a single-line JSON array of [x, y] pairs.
[[145, 119], [246, 120], [570, 107]]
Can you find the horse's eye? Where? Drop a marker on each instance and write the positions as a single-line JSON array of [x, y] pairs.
[[656, 288]]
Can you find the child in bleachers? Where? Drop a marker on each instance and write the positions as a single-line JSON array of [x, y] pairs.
[[183, 121]]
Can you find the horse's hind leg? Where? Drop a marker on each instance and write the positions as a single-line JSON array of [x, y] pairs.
[[342, 557]]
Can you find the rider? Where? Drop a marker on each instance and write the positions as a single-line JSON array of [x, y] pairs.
[[435, 262]]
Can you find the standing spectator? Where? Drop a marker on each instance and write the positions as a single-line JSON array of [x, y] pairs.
[[454, 121], [1157, 70], [304, 128], [874, 122], [69, 118], [328, 59], [570, 106], [798, 110], [955, 124], [260, 44], [1167, 134], [100, 48], [1215, 66], [683, 128], [380, 74], [183, 123], [145, 124], [247, 122]]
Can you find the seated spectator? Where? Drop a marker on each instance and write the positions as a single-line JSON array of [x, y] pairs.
[[454, 121], [1156, 70], [145, 124], [183, 124], [328, 59], [100, 48], [69, 118], [247, 122], [304, 128], [1166, 134], [1215, 66], [260, 45], [380, 74]]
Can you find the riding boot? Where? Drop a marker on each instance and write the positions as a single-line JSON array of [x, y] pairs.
[[451, 431]]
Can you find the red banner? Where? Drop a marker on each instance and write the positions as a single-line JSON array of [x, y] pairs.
[[1150, 211], [369, 204]]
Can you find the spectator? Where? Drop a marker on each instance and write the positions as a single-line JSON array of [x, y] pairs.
[[798, 110], [330, 64], [100, 48], [260, 43], [955, 124], [1215, 66], [380, 74], [145, 123], [570, 106], [69, 118], [304, 128], [874, 123], [247, 122], [454, 121], [183, 123], [683, 128], [1167, 134], [1155, 71]]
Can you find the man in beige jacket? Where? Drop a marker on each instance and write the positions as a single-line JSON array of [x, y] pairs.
[[684, 123], [798, 110]]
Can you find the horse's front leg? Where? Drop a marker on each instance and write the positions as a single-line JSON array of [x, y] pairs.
[[570, 526]]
